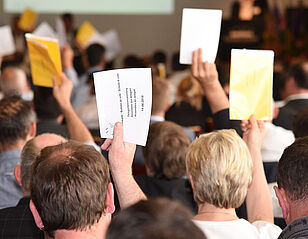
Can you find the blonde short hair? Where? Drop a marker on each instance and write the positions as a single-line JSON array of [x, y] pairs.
[[220, 166]]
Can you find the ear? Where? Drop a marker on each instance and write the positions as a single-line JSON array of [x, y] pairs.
[[283, 202], [110, 208], [191, 181], [149, 172], [36, 216], [17, 174], [32, 130]]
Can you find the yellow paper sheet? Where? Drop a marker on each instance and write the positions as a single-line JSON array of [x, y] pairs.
[[27, 19], [251, 80], [45, 60], [85, 32]]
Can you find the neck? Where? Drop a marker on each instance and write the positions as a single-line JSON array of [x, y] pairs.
[[208, 212], [298, 209], [96, 231], [296, 92], [18, 145]]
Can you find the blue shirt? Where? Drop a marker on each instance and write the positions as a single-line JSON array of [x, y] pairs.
[[10, 191]]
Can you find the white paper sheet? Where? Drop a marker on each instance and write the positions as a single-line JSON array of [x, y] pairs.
[[44, 30], [113, 44], [61, 34], [124, 95], [110, 40], [200, 29], [7, 45]]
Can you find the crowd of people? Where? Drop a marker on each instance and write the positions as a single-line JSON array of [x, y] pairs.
[[200, 174]]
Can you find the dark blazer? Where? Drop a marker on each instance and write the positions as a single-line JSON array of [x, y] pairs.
[[18, 222], [177, 189], [288, 112]]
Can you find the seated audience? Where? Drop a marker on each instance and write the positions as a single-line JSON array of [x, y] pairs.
[[294, 94], [164, 156], [17, 126], [13, 81], [154, 219], [20, 216], [292, 190], [160, 104], [78, 181]]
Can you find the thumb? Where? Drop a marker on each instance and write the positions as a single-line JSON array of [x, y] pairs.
[[54, 82], [253, 122], [118, 133]]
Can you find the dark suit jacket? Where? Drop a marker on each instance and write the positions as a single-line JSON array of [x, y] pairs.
[[177, 189], [288, 112], [18, 222]]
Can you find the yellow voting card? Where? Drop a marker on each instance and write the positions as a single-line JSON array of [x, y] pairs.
[[45, 59], [251, 80], [27, 19], [85, 32]]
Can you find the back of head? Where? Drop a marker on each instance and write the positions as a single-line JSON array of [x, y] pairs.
[[159, 57], [300, 124], [160, 96], [69, 186], [292, 170], [220, 167], [30, 152], [176, 66], [154, 219], [190, 91], [133, 61], [46, 106], [96, 54], [165, 150], [300, 76], [16, 116], [13, 81]]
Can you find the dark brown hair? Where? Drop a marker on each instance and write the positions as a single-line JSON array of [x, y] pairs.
[[69, 185], [292, 169], [154, 219], [16, 116], [165, 150]]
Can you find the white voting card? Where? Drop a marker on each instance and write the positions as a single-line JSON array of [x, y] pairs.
[[200, 29], [7, 45], [113, 44], [124, 95], [44, 30]]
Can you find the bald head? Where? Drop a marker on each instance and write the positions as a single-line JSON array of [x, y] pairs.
[[13, 81], [30, 152]]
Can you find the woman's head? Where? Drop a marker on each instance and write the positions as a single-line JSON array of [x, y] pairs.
[[190, 91], [220, 167]]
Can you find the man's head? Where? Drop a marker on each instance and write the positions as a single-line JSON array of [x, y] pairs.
[[154, 219], [17, 122], [160, 96], [70, 188], [29, 153], [96, 55], [296, 81], [165, 151], [68, 21], [300, 124], [13, 81], [292, 180], [219, 167], [46, 106]]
